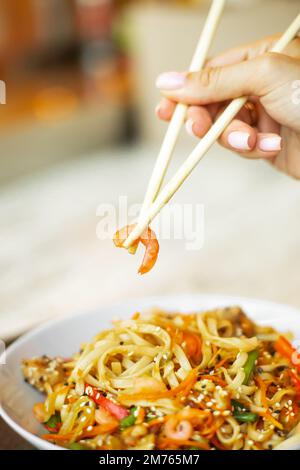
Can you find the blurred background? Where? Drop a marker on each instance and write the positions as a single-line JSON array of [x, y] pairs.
[[78, 129]]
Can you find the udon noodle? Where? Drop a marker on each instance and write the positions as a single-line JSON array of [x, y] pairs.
[[212, 380]]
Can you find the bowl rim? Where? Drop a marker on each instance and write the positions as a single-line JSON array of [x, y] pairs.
[[40, 443]]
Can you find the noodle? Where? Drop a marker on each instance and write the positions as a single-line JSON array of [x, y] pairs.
[[171, 381]]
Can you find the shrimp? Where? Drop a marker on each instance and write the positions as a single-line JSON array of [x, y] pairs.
[[148, 239], [178, 430]]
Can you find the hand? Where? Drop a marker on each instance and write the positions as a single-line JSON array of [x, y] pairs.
[[268, 126]]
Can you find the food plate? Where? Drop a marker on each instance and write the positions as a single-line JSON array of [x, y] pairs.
[[63, 337]]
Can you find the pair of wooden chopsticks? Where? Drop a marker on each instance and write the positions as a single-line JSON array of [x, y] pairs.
[[154, 200]]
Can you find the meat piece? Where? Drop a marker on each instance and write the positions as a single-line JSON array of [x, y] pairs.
[[243, 324], [44, 370]]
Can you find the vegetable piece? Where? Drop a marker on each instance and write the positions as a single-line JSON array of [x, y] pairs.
[[189, 341], [213, 378], [129, 420], [295, 378], [246, 417], [113, 408], [267, 414], [287, 350], [53, 424], [250, 365], [242, 414], [192, 346]]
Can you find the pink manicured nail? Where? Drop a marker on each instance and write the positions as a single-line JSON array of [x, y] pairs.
[[239, 140], [270, 144], [189, 127], [170, 81]]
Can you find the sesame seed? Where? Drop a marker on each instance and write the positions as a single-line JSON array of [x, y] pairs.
[[217, 413]]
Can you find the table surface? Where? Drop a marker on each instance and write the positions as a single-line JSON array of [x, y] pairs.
[[9, 440], [53, 263]]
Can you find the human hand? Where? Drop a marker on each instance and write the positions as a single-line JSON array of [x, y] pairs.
[[268, 126]]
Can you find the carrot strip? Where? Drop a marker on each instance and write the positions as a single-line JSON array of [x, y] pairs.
[[141, 416], [157, 421], [267, 414], [214, 378], [222, 362], [183, 389], [287, 350], [263, 389], [58, 437]]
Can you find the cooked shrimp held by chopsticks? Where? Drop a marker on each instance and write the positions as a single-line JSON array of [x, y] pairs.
[[148, 239]]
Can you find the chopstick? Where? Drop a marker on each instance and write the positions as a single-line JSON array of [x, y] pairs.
[[201, 149], [170, 139]]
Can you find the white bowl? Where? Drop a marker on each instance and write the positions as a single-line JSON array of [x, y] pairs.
[[64, 336]]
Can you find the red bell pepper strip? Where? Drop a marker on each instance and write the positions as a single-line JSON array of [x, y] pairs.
[[113, 408], [286, 349], [53, 424]]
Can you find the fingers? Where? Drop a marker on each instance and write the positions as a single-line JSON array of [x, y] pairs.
[[165, 109], [239, 136], [198, 121], [213, 85], [242, 53], [245, 140]]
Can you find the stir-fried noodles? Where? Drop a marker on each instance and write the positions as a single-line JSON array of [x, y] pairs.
[[213, 380]]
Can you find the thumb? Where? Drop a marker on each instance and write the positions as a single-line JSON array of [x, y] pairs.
[[253, 77]]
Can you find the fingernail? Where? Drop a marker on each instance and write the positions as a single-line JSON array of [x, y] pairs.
[[189, 127], [170, 81], [270, 144], [239, 140], [157, 108]]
